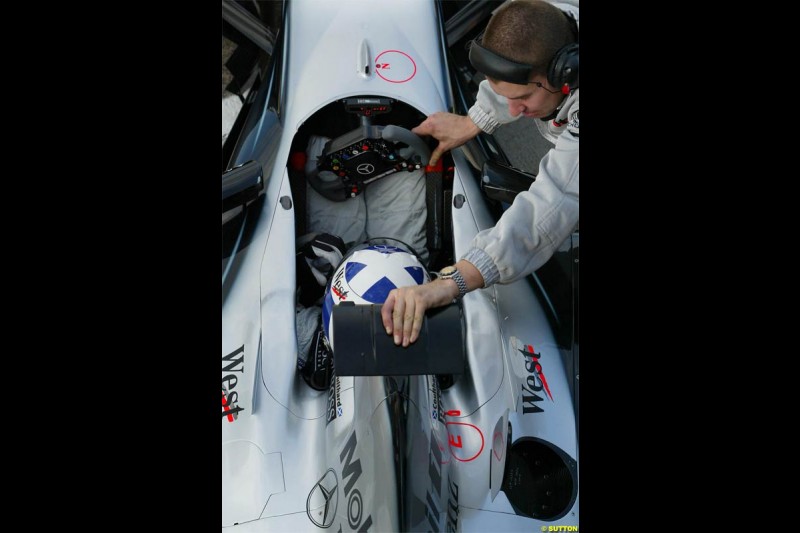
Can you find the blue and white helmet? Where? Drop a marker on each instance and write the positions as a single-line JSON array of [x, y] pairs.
[[367, 275]]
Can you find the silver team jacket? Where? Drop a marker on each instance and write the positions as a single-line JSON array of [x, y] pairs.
[[542, 217]]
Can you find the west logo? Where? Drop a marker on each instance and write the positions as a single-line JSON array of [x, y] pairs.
[[337, 287], [233, 362], [536, 382]]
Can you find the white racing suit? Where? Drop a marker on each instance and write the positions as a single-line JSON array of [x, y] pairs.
[[393, 207]]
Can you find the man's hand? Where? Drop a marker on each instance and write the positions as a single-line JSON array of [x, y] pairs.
[[449, 129], [404, 308]]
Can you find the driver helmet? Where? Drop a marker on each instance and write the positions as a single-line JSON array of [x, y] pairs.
[[367, 274]]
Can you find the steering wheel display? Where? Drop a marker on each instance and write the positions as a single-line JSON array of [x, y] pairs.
[[368, 153]]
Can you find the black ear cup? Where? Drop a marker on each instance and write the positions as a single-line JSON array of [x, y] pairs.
[[564, 68]]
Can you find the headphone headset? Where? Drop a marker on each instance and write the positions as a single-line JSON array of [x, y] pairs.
[[562, 71], [564, 68]]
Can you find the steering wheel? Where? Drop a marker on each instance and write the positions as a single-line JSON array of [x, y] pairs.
[[368, 153]]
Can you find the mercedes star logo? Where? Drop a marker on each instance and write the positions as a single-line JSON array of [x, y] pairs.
[[365, 169], [323, 498]]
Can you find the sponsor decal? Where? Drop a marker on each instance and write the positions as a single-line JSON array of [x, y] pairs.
[[231, 364], [535, 383], [365, 169], [334, 398], [451, 526], [351, 471], [337, 286], [573, 123], [323, 499], [437, 413]]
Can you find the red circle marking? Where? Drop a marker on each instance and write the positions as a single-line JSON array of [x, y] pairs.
[[497, 437], [451, 447], [378, 63]]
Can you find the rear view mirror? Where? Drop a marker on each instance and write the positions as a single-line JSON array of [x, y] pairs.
[[503, 182], [241, 185]]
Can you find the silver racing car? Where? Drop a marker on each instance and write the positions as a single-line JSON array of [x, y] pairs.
[[487, 440]]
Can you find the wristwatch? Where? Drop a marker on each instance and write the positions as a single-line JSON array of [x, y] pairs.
[[451, 272]]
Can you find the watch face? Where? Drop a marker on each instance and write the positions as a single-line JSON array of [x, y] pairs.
[[447, 271]]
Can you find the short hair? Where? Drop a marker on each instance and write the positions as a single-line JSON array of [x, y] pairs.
[[528, 31]]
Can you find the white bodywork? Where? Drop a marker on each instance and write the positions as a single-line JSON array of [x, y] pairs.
[[294, 459]]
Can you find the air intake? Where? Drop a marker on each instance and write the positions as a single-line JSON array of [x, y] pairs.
[[540, 480]]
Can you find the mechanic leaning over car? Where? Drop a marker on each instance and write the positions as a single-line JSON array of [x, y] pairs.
[[529, 54]]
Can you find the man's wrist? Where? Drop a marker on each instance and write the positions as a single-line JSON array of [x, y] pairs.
[[452, 289], [482, 120], [453, 274]]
